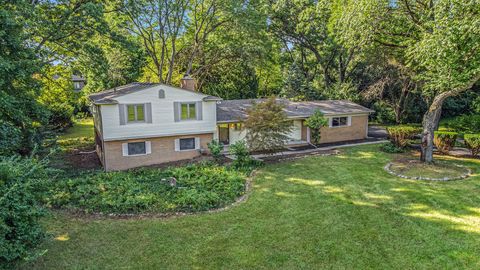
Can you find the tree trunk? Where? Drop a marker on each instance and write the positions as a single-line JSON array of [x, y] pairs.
[[432, 117]]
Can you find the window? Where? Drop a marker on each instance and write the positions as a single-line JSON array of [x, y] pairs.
[[188, 111], [77, 85], [237, 126], [187, 144], [161, 93], [137, 148], [339, 121], [136, 113]]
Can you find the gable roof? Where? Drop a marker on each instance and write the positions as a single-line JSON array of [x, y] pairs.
[[236, 110], [108, 96]]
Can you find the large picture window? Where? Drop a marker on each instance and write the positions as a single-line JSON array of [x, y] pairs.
[[188, 111], [137, 148], [340, 121], [136, 113], [187, 144]]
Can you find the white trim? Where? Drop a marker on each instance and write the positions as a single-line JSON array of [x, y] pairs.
[[159, 136], [349, 121], [125, 149], [148, 147], [197, 143], [177, 144]]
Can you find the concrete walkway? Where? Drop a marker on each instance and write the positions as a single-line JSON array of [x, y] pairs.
[[309, 151]]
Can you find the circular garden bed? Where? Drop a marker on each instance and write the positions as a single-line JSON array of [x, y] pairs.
[[417, 170]]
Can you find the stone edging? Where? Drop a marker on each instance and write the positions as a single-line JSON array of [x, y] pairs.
[[239, 200], [463, 176]]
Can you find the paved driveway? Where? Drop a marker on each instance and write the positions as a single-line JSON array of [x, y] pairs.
[[377, 132]]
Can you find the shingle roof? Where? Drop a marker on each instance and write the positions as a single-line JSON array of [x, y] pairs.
[[236, 110], [107, 96]]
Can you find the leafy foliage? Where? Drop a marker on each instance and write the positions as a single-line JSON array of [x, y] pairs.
[[21, 182], [190, 188], [216, 149], [445, 140], [400, 136], [465, 123], [315, 123], [472, 142], [392, 148], [242, 159], [267, 126]]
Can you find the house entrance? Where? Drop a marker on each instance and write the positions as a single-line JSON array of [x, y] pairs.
[[224, 134]]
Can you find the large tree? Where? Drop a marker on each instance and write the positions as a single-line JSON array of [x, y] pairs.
[[439, 41]]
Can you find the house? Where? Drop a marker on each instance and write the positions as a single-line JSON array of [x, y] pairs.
[[142, 124], [78, 83]]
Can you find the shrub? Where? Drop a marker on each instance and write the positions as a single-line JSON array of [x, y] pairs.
[[444, 140], [472, 142], [267, 125], [315, 123], [243, 161], [400, 136], [216, 149], [21, 182], [391, 148], [189, 188], [465, 124]]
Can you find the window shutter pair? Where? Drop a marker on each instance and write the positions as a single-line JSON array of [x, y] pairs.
[[122, 109], [148, 148], [177, 144], [177, 110]]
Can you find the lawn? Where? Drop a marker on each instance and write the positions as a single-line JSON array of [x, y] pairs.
[[340, 212], [80, 128]]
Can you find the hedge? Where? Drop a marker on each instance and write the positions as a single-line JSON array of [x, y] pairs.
[[472, 142], [445, 140], [400, 136]]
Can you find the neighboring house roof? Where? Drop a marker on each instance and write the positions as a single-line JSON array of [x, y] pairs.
[[77, 78], [108, 96], [236, 110]]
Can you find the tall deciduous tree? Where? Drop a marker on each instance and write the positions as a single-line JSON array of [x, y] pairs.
[[437, 40]]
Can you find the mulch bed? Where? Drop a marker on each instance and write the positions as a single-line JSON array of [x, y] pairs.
[[281, 158]]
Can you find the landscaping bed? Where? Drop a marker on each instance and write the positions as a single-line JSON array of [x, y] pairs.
[[417, 170], [148, 190]]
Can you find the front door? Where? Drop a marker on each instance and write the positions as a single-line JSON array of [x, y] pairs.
[[223, 134]]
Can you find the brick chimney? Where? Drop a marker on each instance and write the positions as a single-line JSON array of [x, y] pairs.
[[187, 82]]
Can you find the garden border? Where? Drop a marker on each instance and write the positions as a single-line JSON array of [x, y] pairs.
[[461, 177], [77, 213]]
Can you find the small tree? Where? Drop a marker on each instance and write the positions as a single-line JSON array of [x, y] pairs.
[[267, 126], [315, 123]]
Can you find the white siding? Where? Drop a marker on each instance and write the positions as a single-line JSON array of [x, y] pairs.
[[163, 123]]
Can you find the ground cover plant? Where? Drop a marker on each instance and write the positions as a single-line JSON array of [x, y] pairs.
[[149, 190], [334, 212]]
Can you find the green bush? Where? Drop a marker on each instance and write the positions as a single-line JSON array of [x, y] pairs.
[[400, 136], [243, 160], [216, 149], [465, 124], [22, 180], [391, 148], [472, 142], [445, 140], [190, 188]]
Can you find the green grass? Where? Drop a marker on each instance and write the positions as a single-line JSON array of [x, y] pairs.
[[79, 136], [80, 128], [336, 212]]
